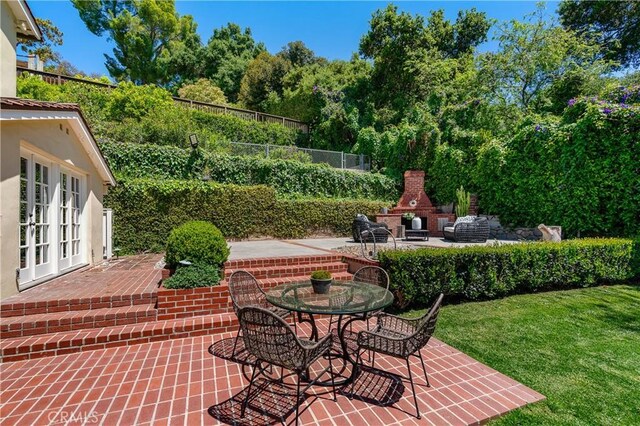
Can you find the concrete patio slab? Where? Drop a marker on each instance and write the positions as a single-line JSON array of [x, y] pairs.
[[316, 246]]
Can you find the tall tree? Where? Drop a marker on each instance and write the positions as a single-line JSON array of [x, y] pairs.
[[264, 77], [396, 39], [227, 55], [145, 33], [298, 54], [538, 56], [614, 25], [51, 36]]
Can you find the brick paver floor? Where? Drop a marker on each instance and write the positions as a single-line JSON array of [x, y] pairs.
[[126, 278], [198, 380]]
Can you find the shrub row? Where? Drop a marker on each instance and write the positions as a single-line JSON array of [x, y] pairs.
[[146, 210], [287, 177], [489, 272]]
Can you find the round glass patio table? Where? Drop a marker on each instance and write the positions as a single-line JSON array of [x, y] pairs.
[[345, 299]]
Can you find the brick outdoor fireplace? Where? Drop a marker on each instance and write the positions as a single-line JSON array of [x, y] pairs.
[[416, 201]]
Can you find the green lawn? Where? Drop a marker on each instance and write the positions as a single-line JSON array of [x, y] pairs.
[[579, 348]]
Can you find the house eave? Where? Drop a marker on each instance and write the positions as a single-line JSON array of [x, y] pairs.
[[81, 130]]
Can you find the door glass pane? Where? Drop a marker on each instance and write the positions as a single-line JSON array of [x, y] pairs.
[[24, 167], [23, 258]]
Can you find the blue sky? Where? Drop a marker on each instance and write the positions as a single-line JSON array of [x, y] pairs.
[[331, 29]]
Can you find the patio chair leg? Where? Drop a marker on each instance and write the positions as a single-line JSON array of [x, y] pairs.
[[372, 354], [298, 400], [246, 400], [333, 380], [235, 344], [426, 376], [413, 389]]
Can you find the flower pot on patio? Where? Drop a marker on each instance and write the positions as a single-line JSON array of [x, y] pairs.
[[321, 286]]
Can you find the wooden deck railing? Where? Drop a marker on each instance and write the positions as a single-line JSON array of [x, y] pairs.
[[244, 114]]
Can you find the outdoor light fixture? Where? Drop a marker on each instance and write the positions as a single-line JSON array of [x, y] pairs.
[[193, 139]]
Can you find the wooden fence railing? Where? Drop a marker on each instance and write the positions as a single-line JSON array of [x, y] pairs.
[[244, 114]]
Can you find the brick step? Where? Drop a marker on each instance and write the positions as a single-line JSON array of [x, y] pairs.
[[282, 261], [284, 271], [55, 322], [21, 348], [17, 309]]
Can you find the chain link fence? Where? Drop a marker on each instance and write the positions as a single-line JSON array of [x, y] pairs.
[[336, 159]]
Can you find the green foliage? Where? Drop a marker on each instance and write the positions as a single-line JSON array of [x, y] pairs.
[[538, 57], [146, 210], [474, 273], [615, 26], [227, 55], [33, 87], [321, 275], [198, 242], [263, 77], [395, 40], [203, 90], [463, 202], [286, 177], [134, 102], [580, 173], [146, 33], [193, 277]]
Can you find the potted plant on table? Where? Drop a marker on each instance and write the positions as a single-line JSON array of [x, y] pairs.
[[321, 281]]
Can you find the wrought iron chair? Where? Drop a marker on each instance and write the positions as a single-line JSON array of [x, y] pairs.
[[245, 291], [271, 340], [401, 338], [367, 274]]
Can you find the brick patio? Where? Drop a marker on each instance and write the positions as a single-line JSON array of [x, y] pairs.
[[100, 353], [197, 380]]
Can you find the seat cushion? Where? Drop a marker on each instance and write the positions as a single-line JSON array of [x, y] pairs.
[[448, 228], [464, 219]]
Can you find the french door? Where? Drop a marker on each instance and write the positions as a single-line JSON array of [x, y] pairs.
[[51, 232], [35, 219], [69, 240]]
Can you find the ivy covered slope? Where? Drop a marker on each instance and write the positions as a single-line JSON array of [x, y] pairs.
[[288, 178], [581, 171], [146, 210]]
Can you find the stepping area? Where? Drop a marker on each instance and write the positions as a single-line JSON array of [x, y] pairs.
[[108, 341]]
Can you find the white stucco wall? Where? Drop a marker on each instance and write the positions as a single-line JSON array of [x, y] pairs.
[[7, 52], [47, 137]]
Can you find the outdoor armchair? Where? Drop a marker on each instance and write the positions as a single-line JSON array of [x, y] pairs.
[[245, 291], [379, 231], [467, 229], [271, 340], [401, 338]]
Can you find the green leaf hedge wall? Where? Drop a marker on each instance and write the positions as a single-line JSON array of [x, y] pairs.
[[477, 273], [146, 210]]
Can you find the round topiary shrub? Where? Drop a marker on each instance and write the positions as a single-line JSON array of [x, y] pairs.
[[198, 242]]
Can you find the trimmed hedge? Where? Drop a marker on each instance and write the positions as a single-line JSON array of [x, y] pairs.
[[287, 177], [490, 272], [146, 210], [193, 277]]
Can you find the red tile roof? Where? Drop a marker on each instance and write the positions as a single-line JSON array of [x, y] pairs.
[[30, 104]]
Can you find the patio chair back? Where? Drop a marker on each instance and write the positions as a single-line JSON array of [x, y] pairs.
[[245, 291], [372, 275], [269, 338], [425, 328]]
